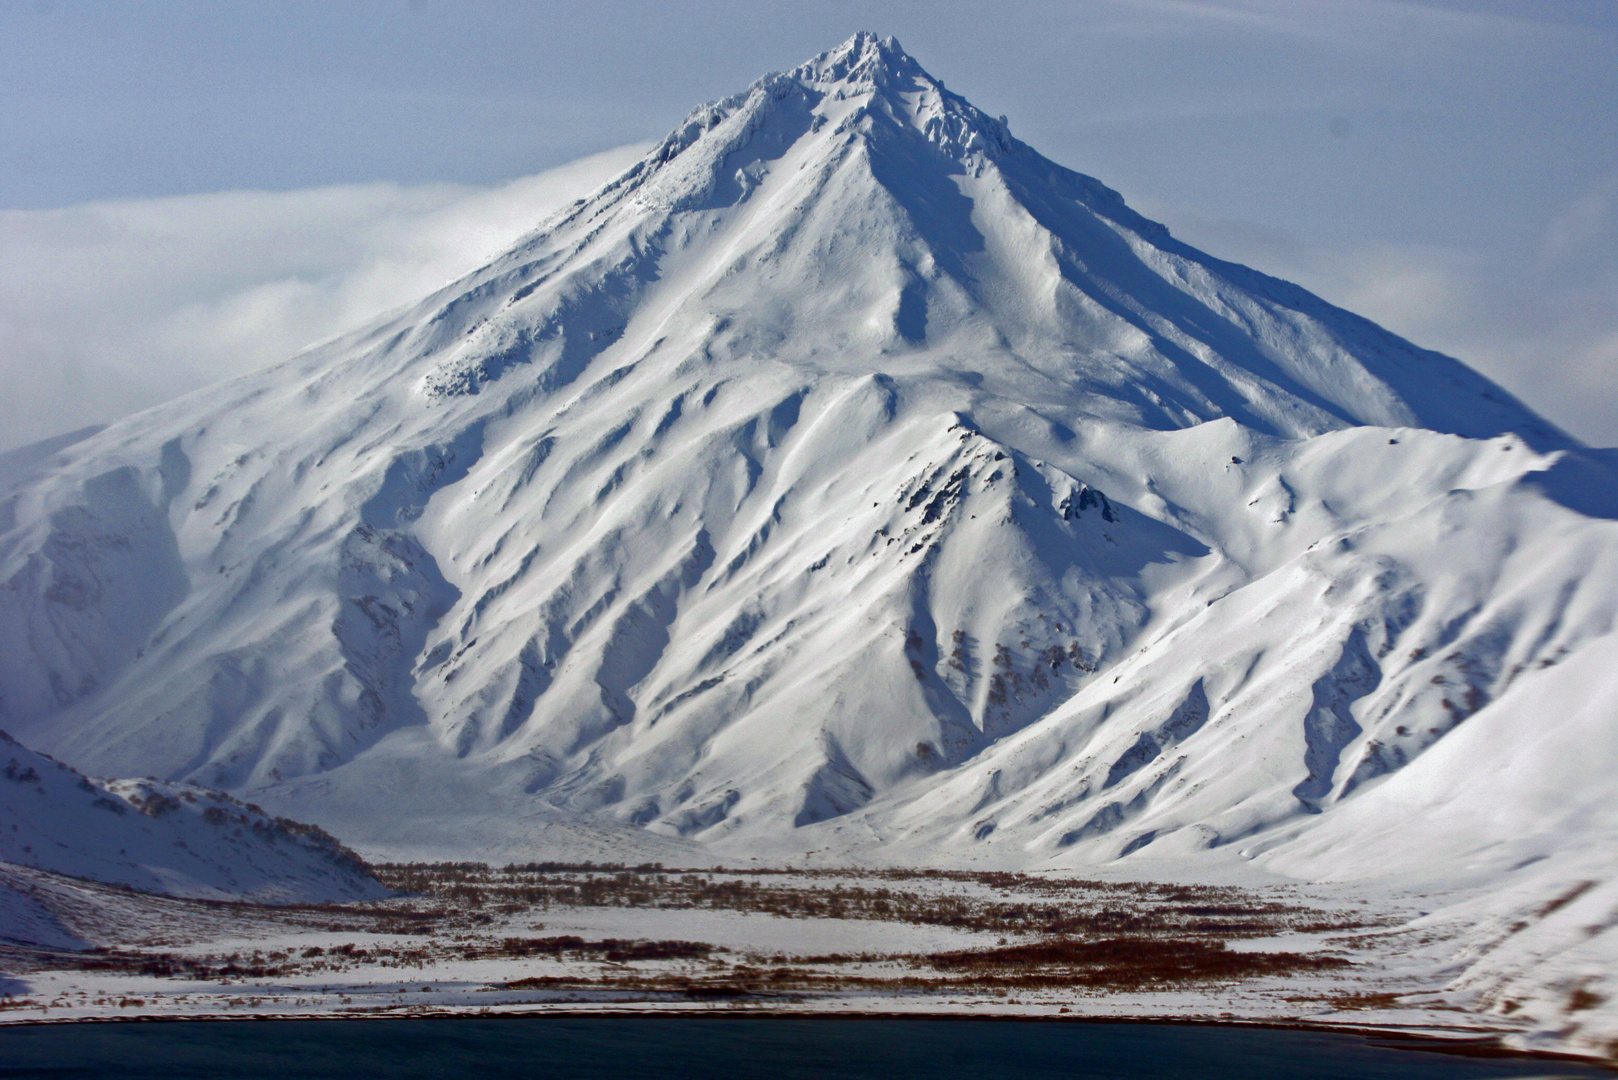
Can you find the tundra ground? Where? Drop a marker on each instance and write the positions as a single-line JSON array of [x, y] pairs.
[[469, 938]]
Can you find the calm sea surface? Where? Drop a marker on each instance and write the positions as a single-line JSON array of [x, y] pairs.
[[554, 1048]]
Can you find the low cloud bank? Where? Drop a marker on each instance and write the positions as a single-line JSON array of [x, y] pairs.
[[108, 308]]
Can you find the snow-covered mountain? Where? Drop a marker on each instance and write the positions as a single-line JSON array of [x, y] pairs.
[[843, 474], [175, 839]]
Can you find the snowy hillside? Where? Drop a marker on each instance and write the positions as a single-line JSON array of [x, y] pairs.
[[176, 839], [844, 477]]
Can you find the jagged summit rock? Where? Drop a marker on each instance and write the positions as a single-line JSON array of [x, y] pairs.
[[846, 476]]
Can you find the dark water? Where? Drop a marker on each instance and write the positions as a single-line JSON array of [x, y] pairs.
[[555, 1048]]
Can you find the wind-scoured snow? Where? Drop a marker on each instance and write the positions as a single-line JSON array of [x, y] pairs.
[[844, 478]]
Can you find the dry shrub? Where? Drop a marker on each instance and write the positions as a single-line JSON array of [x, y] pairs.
[[1124, 962]]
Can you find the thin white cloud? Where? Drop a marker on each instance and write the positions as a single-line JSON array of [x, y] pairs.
[[111, 307], [1551, 340], [1546, 332], [1415, 25], [1582, 222]]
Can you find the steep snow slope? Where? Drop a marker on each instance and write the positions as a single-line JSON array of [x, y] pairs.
[[1389, 587], [845, 472], [177, 839], [1524, 799]]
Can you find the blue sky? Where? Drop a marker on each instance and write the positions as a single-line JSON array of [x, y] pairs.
[[1449, 169]]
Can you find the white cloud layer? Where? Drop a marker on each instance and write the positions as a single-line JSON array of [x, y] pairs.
[[110, 307]]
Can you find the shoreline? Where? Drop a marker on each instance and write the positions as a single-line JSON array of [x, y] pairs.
[[1476, 1043]]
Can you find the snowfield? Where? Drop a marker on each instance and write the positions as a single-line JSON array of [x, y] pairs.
[[847, 484]]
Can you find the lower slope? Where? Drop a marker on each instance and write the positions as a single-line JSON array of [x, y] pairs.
[[1522, 802], [170, 838]]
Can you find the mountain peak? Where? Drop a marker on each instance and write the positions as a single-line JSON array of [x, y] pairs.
[[865, 59], [768, 481], [971, 241], [867, 82]]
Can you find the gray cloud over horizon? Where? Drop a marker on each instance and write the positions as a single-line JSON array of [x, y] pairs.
[[111, 307]]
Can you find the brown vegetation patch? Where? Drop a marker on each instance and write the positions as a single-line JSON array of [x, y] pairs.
[[611, 949], [1130, 962], [997, 902], [1582, 999], [1367, 1000]]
